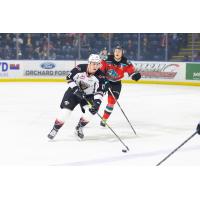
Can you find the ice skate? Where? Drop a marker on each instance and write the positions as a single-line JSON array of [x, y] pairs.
[[103, 123], [52, 134], [79, 132]]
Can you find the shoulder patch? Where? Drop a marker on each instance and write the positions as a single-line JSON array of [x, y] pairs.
[[81, 67]]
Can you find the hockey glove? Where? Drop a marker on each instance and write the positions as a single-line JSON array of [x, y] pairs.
[[95, 107], [136, 76], [78, 92]]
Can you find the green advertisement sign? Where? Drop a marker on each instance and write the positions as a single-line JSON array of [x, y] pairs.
[[193, 71]]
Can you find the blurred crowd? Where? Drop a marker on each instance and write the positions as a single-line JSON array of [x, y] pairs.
[[70, 46]]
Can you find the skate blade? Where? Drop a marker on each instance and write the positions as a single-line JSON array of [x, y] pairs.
[[77, 137]]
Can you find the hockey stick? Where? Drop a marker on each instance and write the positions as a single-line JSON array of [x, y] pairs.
[[177, 148], [122, 110], [90, 105]]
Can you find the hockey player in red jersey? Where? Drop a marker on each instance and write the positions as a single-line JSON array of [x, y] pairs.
[[114, 68], [86, 84]]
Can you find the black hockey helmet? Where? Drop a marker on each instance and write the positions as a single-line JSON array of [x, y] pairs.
[[118, 46]]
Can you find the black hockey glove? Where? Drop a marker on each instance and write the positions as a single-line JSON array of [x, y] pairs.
[[136, 76], [78, 92], [95, 107]]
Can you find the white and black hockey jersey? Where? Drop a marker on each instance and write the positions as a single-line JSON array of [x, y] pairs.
[[90, 84]]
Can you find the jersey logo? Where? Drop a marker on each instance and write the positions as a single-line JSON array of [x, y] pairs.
[[83, 85], [112, 73]]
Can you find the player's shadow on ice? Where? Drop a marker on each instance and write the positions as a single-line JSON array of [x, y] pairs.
[[110, 137]]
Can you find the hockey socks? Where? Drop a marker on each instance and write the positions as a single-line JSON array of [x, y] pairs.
[[58, 124], [108, 111]]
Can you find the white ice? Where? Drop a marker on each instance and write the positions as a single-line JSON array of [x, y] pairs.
[[163, 117]]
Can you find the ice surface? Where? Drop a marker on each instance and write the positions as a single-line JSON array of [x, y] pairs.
[[163, 117]]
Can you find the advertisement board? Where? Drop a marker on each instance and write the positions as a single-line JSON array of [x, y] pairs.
[[52, 70], [161, 70], [193, 71], [9, 69], [47, 69]]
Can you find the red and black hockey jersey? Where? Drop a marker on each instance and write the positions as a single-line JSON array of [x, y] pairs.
[[114, 70]]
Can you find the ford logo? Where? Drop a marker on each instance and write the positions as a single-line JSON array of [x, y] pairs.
[[48, 65]]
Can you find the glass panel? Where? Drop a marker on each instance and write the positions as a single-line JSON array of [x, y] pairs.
[[8, 46], [178, 47], [63, 46], [195, 47], [153, 47], [87, 45], [93, 43], [34, 46]]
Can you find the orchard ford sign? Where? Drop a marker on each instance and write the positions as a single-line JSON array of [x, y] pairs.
[[47, 73], [45, 69], [158, 70]]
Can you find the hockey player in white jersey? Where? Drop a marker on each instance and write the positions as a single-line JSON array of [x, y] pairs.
[[86, 83]]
